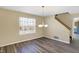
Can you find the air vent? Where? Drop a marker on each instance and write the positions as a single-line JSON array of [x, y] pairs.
[[56, 37]]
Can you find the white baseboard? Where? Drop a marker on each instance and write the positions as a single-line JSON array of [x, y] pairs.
[[59, 40], [18, 42], [32, 39]]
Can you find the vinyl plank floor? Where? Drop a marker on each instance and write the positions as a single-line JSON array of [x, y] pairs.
[[40, 45]]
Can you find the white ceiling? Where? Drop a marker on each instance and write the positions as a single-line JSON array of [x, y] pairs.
[[48, 10]]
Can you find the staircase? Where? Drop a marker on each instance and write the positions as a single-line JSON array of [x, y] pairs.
[[66, 20]]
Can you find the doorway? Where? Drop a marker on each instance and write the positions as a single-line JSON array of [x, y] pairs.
[[76, 31]]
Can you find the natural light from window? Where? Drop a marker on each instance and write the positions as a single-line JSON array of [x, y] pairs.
[[27, 25]]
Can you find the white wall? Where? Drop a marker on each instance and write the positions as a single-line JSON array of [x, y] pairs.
[[56, 29], [9, 27]]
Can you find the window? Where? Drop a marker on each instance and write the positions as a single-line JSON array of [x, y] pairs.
[[27, 25]]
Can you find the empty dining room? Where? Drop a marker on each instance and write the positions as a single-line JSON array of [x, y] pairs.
[[39, 29]]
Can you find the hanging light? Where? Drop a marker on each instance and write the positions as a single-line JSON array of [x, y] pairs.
[[40, 25], [43, 23]]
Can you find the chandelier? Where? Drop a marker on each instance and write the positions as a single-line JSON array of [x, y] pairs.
[[43, 23]]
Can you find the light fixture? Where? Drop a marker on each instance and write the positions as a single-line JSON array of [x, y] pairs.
[[43, 23], [40, 25]]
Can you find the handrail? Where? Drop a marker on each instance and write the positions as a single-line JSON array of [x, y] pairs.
[[61, 21]]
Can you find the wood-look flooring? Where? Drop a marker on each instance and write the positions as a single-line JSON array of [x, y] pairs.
[[41, 45]]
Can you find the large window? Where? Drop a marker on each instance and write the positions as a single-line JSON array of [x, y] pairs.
[[27, 25]]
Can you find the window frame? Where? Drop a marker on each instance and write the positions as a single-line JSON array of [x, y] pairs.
[[31, 25]]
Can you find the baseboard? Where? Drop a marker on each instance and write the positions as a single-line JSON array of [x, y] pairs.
[[33, 39], [62, 41], [19, 42], [59, 40]]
